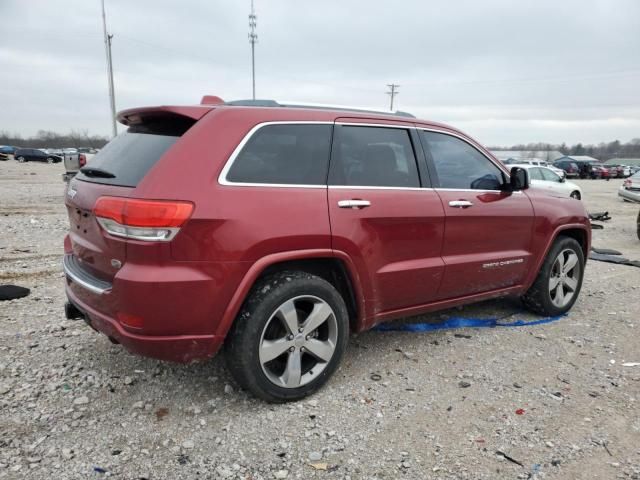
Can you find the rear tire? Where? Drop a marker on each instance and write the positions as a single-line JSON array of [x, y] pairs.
[[558, 284], [22, 159], [289, 337]]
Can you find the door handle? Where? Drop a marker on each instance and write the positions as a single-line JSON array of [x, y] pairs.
[[354, 203], [460, 204]]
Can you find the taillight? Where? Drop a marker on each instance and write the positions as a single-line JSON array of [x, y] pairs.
[[82, 160], [626, 183], [149, 220]]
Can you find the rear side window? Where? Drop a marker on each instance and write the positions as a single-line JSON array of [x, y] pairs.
[[535, 174], [549, 175], [373, 157], [287, 154], [126, 159]]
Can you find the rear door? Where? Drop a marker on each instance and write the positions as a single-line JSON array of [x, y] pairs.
[[487, 239], [382, 217]]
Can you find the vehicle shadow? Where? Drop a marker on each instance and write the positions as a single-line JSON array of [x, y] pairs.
[[177, 386]]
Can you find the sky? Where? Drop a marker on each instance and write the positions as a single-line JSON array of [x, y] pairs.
[[505, 72]]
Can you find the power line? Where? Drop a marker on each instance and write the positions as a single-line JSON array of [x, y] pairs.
[[253, 39], [112, 96], [393, 91]]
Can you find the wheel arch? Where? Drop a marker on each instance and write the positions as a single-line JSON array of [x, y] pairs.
[[332, 266], [577, 231]]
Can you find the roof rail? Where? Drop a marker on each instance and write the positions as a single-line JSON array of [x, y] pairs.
[[319, 106]]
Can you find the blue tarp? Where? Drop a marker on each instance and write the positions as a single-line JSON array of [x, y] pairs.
[[462, 322]]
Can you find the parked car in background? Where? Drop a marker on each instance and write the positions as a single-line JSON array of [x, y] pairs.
[[73, 162], [548, 180], [599, 171], [8, 150], [537, 163], [4, 157], [299, 225], [619, 171], [630, 189], [35, 155], [570, 168]]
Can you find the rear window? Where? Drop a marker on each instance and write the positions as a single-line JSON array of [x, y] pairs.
[[287, 154], [126, 159]]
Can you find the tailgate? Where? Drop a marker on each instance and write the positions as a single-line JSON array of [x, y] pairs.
[[93, 249], [71, 163]]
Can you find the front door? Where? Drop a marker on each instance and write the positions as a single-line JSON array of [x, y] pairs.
[[382, 217], [488, 231]]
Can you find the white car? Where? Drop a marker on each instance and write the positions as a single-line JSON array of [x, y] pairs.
[[546, 179], [538, 163], [630, 189]]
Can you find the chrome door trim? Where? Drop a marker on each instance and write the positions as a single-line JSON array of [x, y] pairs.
[[354, 203], [365, 187], [460, 204]]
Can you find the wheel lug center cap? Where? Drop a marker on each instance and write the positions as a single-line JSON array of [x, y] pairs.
[[299, 340]]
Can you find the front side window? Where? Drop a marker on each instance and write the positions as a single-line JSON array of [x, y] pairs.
[[286, 154], [373, 157], [459, 165]]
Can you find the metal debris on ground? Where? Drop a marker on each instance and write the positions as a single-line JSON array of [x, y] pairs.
[[599, 216], [507, 457], [614, 259]]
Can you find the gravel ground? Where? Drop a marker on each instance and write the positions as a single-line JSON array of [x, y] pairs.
[[552, 401]]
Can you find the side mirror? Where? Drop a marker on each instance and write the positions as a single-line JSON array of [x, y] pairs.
[[562, 180], [519, 179]]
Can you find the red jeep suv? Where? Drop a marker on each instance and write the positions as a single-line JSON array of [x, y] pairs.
[[273, 230]]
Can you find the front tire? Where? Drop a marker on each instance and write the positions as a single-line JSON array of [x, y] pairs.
[[289, 336], [575, 194], [22, 159], [50, 160], [558, 284]]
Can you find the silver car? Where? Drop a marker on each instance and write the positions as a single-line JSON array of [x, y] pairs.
[[630, 189]]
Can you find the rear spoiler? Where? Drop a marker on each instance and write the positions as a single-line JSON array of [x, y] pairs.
[[133, 116]]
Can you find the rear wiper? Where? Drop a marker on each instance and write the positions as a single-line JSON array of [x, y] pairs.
[[96, 172]]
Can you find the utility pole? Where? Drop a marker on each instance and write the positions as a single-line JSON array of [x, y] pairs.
[[112, 96], [393, 91], [253, 39]]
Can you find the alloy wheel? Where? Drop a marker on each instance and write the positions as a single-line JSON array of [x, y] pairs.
[[564, 278], [298, 341]]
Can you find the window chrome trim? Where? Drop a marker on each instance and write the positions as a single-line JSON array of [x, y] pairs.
[[439, 189], [380, 125], [222, 178], [365, 187]]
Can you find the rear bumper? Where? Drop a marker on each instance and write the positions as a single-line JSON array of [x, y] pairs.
[[631, 195], [174, 348]]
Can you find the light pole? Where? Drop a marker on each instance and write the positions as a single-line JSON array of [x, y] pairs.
[[393, 91], [253, 39], [112, 96]]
